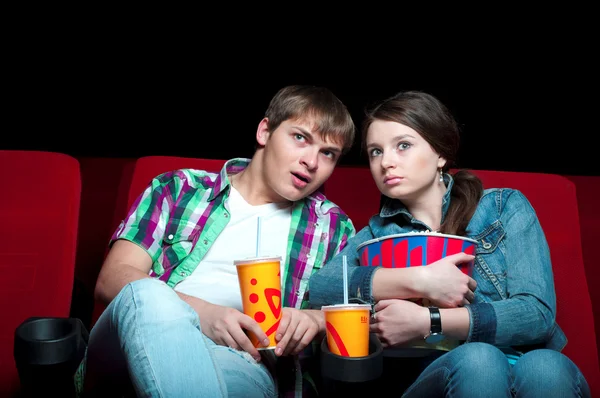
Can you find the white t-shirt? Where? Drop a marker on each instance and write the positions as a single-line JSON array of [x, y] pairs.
[[215, 278]]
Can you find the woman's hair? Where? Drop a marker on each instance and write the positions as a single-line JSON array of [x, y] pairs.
[[425, 114]]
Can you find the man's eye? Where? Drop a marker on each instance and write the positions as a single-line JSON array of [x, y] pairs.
[[299, 137]]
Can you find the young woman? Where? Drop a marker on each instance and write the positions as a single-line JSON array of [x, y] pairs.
[[504, 316]]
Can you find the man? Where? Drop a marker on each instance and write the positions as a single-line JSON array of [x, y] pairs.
[[174, 326]]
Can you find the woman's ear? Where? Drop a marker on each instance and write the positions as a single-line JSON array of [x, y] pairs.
[[262, 132], [441, 162]]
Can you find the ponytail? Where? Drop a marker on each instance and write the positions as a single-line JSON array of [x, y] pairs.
[[465, 195]]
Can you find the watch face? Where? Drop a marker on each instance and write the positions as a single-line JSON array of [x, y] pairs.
[[434, 338]]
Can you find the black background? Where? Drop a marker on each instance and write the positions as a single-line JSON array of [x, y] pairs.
[[525, 104]]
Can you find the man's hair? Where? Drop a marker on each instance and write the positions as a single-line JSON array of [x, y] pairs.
[[300, 102]]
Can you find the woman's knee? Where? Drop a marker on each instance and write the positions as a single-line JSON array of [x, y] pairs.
[[481, 355], [550, 369]]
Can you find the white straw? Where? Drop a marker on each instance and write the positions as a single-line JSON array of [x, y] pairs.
[[257, 236], [345, 280]]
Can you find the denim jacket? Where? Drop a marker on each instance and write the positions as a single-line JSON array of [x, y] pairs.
[[515, 301]]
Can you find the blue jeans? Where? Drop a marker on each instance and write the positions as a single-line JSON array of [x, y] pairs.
[[482, 370], [151, 339]]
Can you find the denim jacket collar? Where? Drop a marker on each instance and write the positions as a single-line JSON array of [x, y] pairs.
[[393, 207]]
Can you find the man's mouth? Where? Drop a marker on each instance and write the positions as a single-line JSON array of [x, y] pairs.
[[302, 177]]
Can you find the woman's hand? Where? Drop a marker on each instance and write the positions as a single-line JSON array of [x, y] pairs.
[[399, 321], [445, 285]]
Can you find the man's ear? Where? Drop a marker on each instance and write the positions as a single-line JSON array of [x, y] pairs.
[[262, 132]]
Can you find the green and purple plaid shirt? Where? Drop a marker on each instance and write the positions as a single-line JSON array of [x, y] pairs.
[[182, 209], [185, 208]]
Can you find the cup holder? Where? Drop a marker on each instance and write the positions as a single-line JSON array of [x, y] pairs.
[[47, 352], [353, 369]]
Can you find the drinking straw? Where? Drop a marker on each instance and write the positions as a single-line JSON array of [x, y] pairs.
[[345, 280], [257, 236]]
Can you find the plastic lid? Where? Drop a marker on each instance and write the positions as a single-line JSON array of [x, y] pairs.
[[346, 306], [254, 260]]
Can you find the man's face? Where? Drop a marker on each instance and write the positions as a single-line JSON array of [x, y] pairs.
[[296, 160]]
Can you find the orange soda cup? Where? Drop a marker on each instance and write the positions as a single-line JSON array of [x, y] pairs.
[[348, 329], [260, 285]]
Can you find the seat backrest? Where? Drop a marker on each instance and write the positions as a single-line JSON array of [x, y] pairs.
[[144, 170], [353, 189], [148, 167], [555, 201], [39, 214]]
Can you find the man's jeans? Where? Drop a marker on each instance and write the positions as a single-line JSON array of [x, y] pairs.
[[482, 370], [150, 336]]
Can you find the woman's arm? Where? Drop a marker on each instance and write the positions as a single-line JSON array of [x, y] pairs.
[[527, 315]]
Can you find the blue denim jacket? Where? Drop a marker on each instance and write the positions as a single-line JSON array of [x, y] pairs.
[[515, 301]]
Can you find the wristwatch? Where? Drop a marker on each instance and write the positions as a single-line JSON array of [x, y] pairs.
[[435, 330]]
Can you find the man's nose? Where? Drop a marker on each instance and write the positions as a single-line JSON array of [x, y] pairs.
[[310, 159]]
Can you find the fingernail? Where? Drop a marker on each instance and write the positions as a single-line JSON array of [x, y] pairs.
[[278, 351], [278, 337], [266, 342]]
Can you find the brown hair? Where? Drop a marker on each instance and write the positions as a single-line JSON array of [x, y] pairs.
[[425, 114], [332, 119]]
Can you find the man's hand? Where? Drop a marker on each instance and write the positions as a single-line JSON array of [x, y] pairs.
[[399, 321], [297, 329], [445, 284], [225, 326]]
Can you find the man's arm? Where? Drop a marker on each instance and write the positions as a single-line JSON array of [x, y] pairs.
[[126, 262]]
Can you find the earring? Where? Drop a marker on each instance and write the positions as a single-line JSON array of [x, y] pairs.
[[441, 176]]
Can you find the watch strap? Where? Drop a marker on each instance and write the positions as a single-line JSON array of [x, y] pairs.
[[436, 320]]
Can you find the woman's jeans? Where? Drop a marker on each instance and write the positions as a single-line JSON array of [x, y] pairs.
[[150, 338], [482, 370]]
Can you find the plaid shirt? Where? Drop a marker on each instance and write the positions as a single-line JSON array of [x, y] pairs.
[[186, 209]]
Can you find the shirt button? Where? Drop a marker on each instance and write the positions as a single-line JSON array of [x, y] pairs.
[[182, 273], [205, 242], [226, 215], [486, 245], [170, 236]]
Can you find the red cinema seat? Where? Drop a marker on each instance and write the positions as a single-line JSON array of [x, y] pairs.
[[39, 214], [353, 189], [144, 170], [555, 201]]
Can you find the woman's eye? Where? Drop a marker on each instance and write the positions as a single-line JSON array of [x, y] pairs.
[[375, 152], [403, 146]]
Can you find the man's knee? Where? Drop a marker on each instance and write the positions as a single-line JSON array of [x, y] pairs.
[[151, 299]]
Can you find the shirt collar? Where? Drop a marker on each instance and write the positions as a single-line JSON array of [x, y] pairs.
[[236, 165], [232, 166]]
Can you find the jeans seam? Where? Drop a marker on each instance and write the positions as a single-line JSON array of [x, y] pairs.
[[152, 373], [260, 386]]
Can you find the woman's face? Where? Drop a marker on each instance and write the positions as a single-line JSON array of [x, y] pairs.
[[402, 163]]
